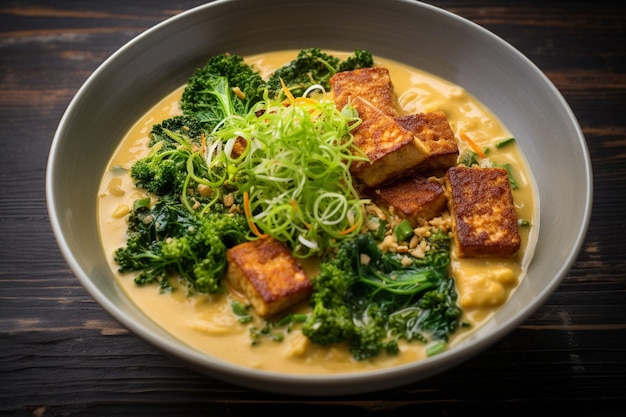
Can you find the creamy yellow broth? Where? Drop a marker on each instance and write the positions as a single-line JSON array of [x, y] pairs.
[[206, 323]]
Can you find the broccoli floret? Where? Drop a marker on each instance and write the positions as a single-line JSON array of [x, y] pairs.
[[164, 170], [312, 66], [372, 305], [168, 131], [159, 174], [331, 320], [240, 75], [360, 59], [372, 336], [167, 239], [173, 155], [225, 86]]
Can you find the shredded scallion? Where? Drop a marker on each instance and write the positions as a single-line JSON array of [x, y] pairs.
[[294, 170]]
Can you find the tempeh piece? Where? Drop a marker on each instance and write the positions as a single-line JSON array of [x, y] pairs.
[[372, 84], [391, 149], [268, 275], [434, 131], [413, 197], [483, 213]]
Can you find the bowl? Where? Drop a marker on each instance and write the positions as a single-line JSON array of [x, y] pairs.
[[151, 65]]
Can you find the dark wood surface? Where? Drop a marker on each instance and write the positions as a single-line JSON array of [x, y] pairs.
[[61, 354]]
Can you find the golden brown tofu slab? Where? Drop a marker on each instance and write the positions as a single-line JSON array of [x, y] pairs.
[[434, 131], [413, 197], [372, 84], [391, 149], [268, 275], [483, 213]]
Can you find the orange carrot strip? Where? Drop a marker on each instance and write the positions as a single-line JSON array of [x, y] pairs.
[[473, 145], [203, 144], [294, 205], [306, 100], [248, 212], [349, 229], [290, 96]]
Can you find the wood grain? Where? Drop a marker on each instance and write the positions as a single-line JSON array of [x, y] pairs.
[[63, 355]]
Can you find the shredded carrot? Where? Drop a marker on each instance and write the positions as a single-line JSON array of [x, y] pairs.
[[203, 144], [290, 96], [349, 229], [294, 204], [248, 212], [473, 145], [306, 100]]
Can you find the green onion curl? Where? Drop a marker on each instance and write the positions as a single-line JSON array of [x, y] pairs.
[[295, 169]]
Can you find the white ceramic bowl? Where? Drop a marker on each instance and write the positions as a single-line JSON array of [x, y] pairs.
[[154, 63]]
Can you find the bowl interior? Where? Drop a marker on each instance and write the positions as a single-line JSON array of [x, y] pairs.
[[154, 63]]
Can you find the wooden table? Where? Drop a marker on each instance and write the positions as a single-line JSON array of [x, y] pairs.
[[62, 354]]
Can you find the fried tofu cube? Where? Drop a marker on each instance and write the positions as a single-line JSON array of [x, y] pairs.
[[372, 84], [266, 273], [413, 197], [391, 149], [434, 131], [480, 201]]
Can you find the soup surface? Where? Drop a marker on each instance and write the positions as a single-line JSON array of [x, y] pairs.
[[207, 324]]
